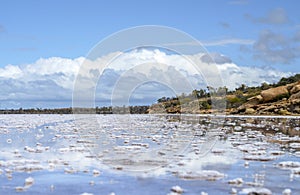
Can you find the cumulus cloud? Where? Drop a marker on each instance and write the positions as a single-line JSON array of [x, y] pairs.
[[234, 75], [276, 16], [142, 75], [11, 71], [276, 48], [45, 80], [215, 58]]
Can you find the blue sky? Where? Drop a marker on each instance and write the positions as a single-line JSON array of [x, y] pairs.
[[34, 29], [258, 33]]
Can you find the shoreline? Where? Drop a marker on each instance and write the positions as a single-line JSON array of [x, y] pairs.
[[295, 116]]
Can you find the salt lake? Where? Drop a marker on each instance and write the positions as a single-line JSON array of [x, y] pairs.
[[149, 154]]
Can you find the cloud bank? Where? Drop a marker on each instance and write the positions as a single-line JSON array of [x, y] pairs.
[[277, 16], [277, 48], [49, 82]]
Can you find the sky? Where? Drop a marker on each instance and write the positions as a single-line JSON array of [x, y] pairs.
[[44, 43]]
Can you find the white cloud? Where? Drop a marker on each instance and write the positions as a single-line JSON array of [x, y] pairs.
[[220, 42], [275, 16], [215, 58], [234, 75], [276, 48], [11, 71], [51, 80], [223, 42], [54, 65]]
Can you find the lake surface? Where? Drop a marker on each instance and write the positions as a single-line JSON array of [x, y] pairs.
[[149, 154]]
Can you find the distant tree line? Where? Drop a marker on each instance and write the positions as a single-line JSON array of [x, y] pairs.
[[37, 111], [97, 110]]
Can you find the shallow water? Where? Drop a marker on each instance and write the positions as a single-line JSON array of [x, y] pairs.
[[148, 154]]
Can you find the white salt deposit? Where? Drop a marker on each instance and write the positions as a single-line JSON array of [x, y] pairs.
[[177, 189], [20, 189], [233, 191], [210, 175], [260, 191], [289, 164], [295, 145], [96, 173], [287, 192], [237, 181], [29, 181]]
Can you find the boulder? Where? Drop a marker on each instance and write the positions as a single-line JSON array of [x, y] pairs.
[[290, 86], [295, 109], [251, 102], [295, 96], [270, 108], [255, 100], [242, 108], [295, 89], [249, 111], [284, 112], [273, 93]]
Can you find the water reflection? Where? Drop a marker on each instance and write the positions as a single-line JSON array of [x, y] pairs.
[[181, 147]]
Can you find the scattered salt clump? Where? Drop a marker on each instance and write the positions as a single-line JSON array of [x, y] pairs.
[[29, 181], [261, 191], [177, 189], [289, 164], [210, 175], [287, 192], [237, 181]]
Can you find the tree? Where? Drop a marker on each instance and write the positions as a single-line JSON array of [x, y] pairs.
[[202, 93], [211, 90], [195, 93], [163, 99], [242, 88], [264, 86]]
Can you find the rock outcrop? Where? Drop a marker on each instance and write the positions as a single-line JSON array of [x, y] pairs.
[[255, 100], [274, 93], [295, 89], [283, 100], [295, 96]]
